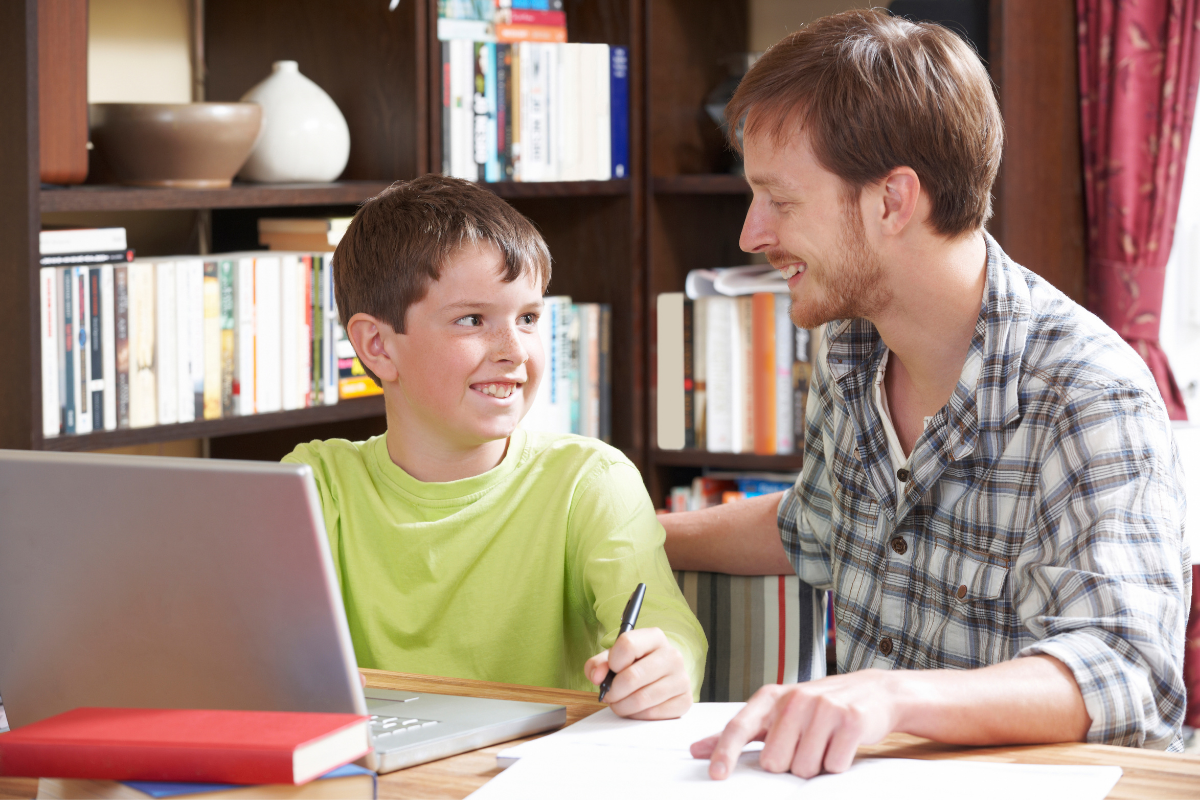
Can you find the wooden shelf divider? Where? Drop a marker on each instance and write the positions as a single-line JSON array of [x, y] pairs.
[[253, 423], [737, 461], [700, 184]]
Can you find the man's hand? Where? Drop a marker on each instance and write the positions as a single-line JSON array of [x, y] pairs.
[[815, 726], [808, 727], [652, 680]]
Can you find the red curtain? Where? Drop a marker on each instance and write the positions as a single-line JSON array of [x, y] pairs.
[[1139, 63]]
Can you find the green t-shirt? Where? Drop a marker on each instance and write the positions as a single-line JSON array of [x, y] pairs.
[[518, 575]]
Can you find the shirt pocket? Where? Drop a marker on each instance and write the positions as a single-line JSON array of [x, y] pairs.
[[969, 596]]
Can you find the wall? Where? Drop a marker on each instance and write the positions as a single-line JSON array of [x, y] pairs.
[[771, 20], [139, 51]]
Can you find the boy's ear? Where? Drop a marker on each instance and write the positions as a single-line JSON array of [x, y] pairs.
[[366, 334]]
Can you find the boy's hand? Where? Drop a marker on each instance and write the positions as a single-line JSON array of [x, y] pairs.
[[651, 682]]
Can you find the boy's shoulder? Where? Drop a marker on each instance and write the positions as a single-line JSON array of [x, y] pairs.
[[326, 455], [583, 452]]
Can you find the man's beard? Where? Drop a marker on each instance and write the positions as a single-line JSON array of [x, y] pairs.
[[853, 286]]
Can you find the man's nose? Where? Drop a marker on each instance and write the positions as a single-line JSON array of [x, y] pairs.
[[758, 232]]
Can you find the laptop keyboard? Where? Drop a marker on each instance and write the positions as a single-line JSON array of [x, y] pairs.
[[387, 731]]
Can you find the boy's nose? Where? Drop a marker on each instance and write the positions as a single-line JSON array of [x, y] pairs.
[[508, 346]]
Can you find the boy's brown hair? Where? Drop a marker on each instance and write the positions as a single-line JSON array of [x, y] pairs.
[[875, 92], [399, 241]]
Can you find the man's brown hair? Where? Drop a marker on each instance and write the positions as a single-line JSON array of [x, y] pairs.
[[401, 239], [874, 92]]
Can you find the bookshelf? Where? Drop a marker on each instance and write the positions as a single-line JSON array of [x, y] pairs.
[[382, 67], [619, 242]]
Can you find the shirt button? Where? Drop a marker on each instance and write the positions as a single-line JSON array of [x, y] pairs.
[[903, 475], [885, 645], [899, 545], [962, 592]]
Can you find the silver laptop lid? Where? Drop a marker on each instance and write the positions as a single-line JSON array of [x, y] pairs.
[[167, 582]]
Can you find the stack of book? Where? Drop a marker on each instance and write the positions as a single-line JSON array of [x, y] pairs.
[[137, 753], [733, 374], [533, 111], [717, 488], [575, 395], [502, 20], [156, 341]]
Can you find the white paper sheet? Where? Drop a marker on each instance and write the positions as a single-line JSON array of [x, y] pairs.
[[605, 772], [604, 728]]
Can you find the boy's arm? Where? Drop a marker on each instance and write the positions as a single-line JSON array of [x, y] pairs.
[[616, 543]]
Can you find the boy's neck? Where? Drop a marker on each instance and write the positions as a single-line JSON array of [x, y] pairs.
[[432, 462]]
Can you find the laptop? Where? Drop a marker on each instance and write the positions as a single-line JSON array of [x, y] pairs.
[[148, 582]]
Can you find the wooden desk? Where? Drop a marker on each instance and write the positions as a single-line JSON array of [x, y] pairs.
[[1147, 773]]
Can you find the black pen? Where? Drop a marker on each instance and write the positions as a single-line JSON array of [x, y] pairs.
[[628, 620]]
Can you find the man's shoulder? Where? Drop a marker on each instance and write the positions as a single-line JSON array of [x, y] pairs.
[[1073, 354]]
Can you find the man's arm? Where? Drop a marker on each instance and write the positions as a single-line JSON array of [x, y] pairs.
[[815, 726], [739, 538]]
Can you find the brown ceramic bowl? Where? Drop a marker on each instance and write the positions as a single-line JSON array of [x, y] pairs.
[[181, 145]]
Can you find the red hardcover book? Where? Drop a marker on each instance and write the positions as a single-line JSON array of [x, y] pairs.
[[192, 745]]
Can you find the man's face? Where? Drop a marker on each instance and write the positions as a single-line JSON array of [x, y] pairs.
[[470, 358], [802, 219]]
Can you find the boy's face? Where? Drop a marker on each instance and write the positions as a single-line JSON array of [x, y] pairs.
[[470, 359]]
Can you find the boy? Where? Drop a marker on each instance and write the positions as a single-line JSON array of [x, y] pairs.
[[466, 546]]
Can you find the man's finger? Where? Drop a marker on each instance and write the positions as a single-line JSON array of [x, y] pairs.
[[746, 726], [787, 723], [843, 745], [704, 748], [824, 721]]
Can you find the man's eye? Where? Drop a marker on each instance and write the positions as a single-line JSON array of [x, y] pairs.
[[470, 321]]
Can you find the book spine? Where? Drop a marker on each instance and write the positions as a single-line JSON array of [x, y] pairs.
[[289, 327], [605, 372], [195, 315], [801, 377], [530, 33], [244, 303], [504, 111], [304, 340], [550, 19], [329, 369], [745, 318], [82, 240], [185, 392], [669, 382], [83, 376], [267, 345], [719, 348], [228, 329], [143, 384], [785, 439], [572, 372], [689, 386], [566, 103], [212, 340], [515, 110], [167, 353], [763, 371], [316, 331], [699, 384], [121, 338], [619, 110], [447, 104], [68, 353], [491, 89], [49, 308], [600, 124], [462, 76], [108, 346], [566, 364], [79, 259], [479, 109]]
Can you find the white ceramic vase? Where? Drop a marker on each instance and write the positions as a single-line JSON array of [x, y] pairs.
[[304, 137]]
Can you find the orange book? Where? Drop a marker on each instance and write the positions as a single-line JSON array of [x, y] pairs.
[[763, 355], [551, 34]]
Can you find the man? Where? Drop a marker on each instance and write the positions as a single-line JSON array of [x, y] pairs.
[[989, 485]]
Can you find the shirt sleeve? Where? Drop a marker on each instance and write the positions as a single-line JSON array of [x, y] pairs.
[[1103, 580], [616, 542], [307, 455], [805, 513]]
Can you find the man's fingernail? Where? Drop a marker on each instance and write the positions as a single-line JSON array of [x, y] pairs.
[[718, 769]]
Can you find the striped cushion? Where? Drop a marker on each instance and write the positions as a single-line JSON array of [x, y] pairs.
[[761, 629]]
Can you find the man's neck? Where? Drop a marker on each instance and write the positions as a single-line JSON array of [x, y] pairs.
[[433, 459], [928, 325]]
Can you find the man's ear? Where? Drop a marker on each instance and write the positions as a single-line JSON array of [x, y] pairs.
[[367, 335], [901, 196]]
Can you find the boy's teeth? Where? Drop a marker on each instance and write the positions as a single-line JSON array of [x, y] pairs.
[[792, 269], [500, 390]]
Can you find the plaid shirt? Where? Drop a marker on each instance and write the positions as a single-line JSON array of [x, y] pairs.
[[1043, 513]]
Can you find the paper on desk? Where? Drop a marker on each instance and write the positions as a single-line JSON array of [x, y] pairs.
[[604, 728], [598, 771]]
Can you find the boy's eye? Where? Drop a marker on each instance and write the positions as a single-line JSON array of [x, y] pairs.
[[528, 319], [469, 321]]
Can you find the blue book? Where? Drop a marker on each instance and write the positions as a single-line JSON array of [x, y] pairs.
[[619, 109], [159, 789], [491, 167]]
